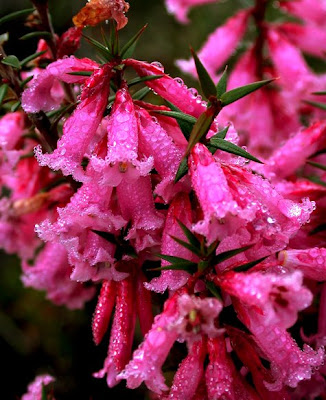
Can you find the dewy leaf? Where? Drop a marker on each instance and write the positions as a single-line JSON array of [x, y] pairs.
[[221, 134], [32, 35], [3, 92], [140, 94], [228, 254], [81, 73], [106, 235], [97, 11], [15, 15], [321, 106], [221, 84], [214, 290], [182, 170], [128, 49], [186, 122], [235, 94], [188, 246], [317, 165], [12, 61], [206, 82], [189, 235], [200, 129], [100, 47], [32, 57], [247, 266], [143, 79], [220, 144]]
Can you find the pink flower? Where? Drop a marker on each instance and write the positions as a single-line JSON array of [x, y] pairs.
[[81, 127], [278, 298], [312, 262], [180, 209], [121, 334], [180, 7], [189, 373], [35, 388], [219, 46], [51, 273]]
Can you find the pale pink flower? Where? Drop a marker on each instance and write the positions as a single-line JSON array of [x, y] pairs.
[[219, 46], [180, 8], [35, 388], [51, 272]]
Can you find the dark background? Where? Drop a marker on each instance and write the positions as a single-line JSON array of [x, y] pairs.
[[36, 336]]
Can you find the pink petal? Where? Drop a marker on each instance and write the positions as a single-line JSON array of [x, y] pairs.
[[80, 128], [39, 96], [219, 46], [180, 8], [170, 89]]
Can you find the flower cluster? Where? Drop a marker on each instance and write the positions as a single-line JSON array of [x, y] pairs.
[[141, 198]]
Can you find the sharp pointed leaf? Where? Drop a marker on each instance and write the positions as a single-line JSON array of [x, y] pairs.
[[221, 134], [321, 106], [190, 267], [173, 259], [104, 51], [228, 254], [15, 106], [128, 49], [38, 34], [322, 93], [247, 266], [15, 15], [140, 94], [188, 246], [317, 165], [189, 235], [81, 73], [206, 82], [32, 57], [221, 84], [25, 81], [316, 179], [143, 79], [214, 290], [217, 143], [182, 170], [106, 235], [242, 91]]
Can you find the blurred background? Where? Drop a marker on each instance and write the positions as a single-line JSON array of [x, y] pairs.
[[35, 336]]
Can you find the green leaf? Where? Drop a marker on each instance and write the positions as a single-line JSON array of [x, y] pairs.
[[186, 122], [32, 57], [114, 38], [189, 235], [100, 47], [81, 73], [214, 290], [228, 254], [143, 79], [32, 35], [221, 134], [200, 129], [206, 82], [317, 165], [128, 49], [221, 84], [173, 259], [44, 396], [247, 266], [3, 92], [242, 91], [321, 106], [217, 143], [316, 179], [15, 15], [25, 81], [140, 94], [322, 93], [188, 246], [212, 248], [109, 237], [15, 106], [12, 61], [190, 267], [319, 228], [182, 170]]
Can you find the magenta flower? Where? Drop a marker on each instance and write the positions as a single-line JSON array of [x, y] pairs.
[[180, 7]]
